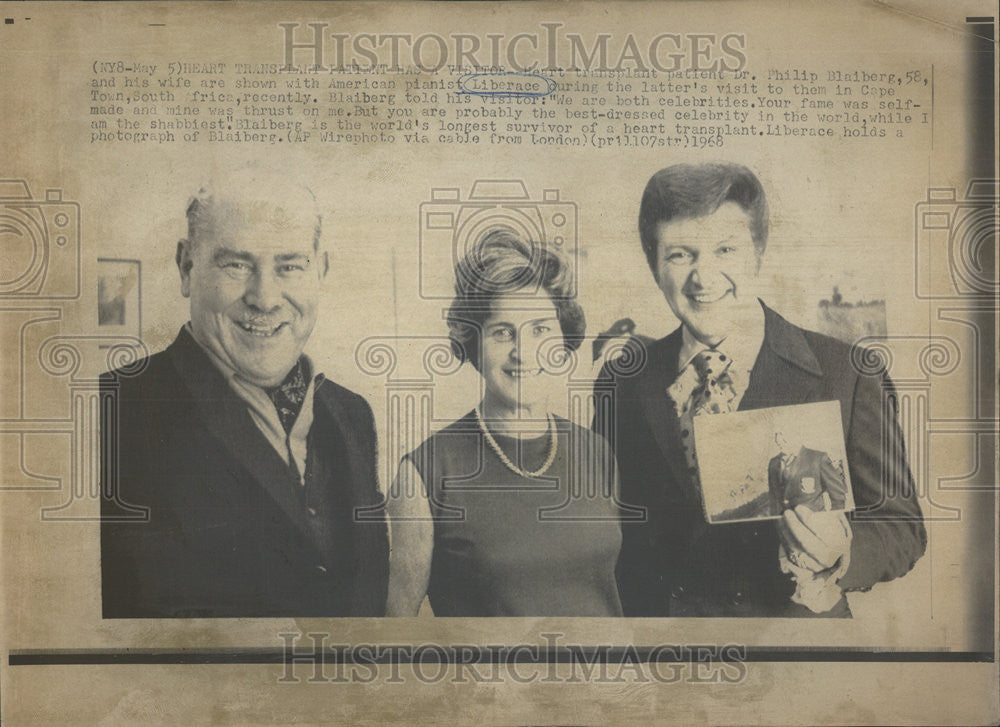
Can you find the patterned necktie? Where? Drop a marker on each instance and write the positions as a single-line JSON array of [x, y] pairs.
[[289, 395], [714, 394], [714, 383]]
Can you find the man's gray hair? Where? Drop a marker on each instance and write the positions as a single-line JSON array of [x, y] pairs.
[[258, 196]]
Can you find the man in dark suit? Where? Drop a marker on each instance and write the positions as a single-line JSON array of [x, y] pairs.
[[704, 231], [798, 475], [238, 482]]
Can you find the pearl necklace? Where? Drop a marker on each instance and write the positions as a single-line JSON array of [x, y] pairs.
[[553, 443]]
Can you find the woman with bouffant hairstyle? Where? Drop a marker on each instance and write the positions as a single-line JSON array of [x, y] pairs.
[[508, 511]]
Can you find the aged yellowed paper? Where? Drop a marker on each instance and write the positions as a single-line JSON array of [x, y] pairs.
[[331, 171]]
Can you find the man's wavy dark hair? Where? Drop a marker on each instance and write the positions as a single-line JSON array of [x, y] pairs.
[[685, 191]]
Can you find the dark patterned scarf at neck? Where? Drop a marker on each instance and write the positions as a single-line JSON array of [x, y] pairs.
[[290, 393]]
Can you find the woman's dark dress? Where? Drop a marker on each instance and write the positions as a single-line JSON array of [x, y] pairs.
[[507, 545]]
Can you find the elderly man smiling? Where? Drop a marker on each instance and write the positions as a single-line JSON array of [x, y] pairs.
[[251, 464]]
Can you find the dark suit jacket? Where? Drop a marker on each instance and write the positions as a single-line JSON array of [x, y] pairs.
[[786, 488], [228, 534], [674, 563]]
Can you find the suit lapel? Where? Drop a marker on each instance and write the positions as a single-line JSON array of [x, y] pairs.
[[353, 467], [367, 544], [659, 409], [227, 418], [808, 464], [786, 370]]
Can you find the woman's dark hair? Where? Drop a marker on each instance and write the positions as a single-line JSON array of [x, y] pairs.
[[503, 262]]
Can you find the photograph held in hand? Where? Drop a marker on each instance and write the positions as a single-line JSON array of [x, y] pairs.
[[755, 464]]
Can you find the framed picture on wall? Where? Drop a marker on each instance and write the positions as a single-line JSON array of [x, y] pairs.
[[119, 297]]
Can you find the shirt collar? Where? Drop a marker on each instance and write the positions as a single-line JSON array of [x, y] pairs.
[[741, 346]]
